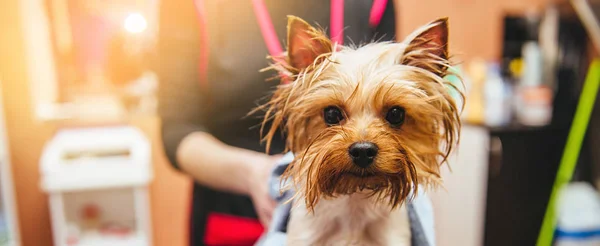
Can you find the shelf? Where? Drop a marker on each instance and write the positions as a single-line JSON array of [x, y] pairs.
[[96, 175], [516, 128]]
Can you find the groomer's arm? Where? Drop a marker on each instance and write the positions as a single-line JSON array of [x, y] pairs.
[[222, 166], [187, 144]]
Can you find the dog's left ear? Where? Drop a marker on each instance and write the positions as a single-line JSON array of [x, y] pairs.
[[305, 44], [427, 47]]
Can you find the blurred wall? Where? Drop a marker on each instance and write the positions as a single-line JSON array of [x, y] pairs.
[[25, 135], [169, 192], [475, 25], [475, 32]]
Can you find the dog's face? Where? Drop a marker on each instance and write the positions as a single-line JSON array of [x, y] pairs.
[[378, 119]]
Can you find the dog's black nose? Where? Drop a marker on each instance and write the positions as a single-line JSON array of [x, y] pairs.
[[363, 153]]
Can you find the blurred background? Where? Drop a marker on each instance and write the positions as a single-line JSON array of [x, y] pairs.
[[68, 66]]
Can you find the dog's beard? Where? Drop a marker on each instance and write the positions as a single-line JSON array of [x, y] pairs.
[[390, 188], [324, 170]]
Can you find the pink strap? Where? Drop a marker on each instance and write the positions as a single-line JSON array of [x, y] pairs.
[[266, 28], [336, 24], [268, 31], [377, 11], [203, 61], [270, 37]]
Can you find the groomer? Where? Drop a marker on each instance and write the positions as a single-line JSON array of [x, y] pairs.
[[210, 54]]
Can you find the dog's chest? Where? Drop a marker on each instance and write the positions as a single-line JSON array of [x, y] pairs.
[[351, 213], [349, 220]]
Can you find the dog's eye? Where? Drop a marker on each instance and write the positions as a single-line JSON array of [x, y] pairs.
[[395, 116], [332, 115]]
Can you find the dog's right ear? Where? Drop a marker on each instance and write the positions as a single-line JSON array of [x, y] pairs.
[[305, 44]]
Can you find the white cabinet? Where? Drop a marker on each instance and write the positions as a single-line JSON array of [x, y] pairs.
[[97, 180]]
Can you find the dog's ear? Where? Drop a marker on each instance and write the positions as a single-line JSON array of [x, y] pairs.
[[305, 44], [427, 47]]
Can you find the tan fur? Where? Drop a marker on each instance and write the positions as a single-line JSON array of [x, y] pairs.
[[364, 82]]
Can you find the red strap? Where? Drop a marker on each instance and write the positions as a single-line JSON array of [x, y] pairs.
[[225, 229]]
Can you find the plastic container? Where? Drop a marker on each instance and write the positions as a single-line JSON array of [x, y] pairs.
[[578, 210], [495, 97], [534, 98]]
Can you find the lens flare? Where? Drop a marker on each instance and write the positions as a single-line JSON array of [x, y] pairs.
[[135, 23]]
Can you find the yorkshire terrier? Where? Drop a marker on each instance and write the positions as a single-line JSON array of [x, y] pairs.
[[368, 125]]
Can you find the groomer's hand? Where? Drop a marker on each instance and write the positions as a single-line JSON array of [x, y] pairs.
[[259, 189]]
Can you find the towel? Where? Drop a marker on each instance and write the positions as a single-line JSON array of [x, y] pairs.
[[420, 212]]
